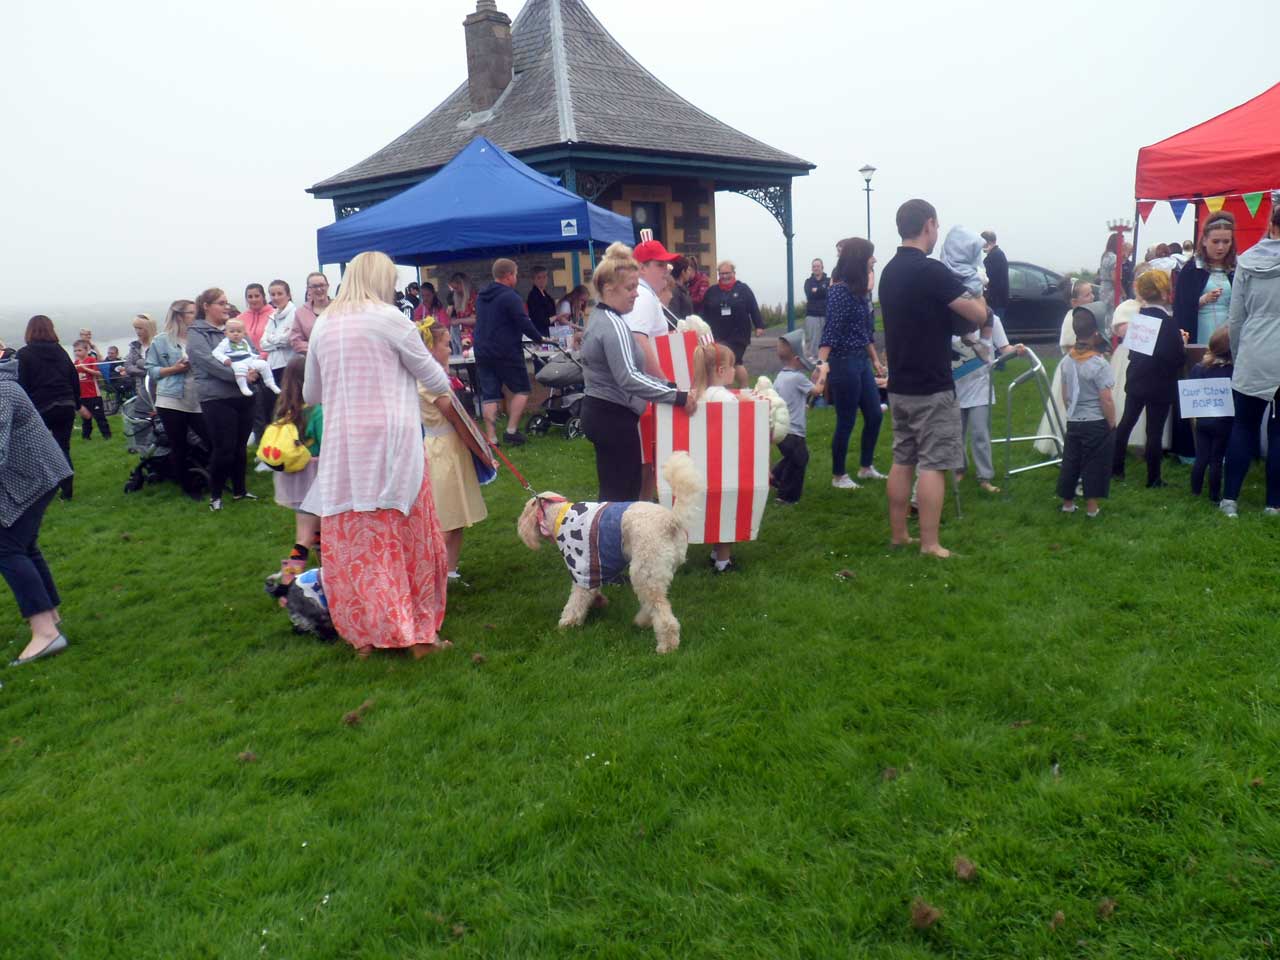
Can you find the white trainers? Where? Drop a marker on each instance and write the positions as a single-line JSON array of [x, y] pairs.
[[1271, 511], [871, 473], [843, 482], [1228, 507]]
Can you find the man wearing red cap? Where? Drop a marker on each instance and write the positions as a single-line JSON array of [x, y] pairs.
[[731, 311], [646, 317]]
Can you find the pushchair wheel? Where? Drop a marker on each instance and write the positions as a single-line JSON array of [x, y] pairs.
[[573, 428], [538, 424]]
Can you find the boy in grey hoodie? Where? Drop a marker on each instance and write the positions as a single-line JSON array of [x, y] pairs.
[[1254, 324]]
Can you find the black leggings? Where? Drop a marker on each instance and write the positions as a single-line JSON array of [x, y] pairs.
[[1157, 413], [60, 421], [176, 424], [614, 431], [1212, 436], [264, 409], [228, 421]]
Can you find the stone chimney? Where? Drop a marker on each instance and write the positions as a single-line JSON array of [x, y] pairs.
[[489, 55]]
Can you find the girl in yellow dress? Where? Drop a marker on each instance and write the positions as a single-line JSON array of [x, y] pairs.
[[449, 447]]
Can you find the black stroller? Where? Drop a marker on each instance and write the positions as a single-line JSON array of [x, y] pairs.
[[563, 376], [146, 437]]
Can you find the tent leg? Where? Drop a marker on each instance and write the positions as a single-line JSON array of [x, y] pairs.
[[1137, 225], [591, 252], [577, 269]]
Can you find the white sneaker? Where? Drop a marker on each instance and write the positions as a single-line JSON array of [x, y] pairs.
[[844, 482], [1228, 507], [871, 473], [1271, 511]]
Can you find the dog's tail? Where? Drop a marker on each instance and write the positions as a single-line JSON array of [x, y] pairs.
[[686, 484]]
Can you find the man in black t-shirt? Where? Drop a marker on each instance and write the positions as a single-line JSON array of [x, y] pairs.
[[923, 305]]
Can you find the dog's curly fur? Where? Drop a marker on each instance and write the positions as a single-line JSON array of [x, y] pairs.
[[654, 541]]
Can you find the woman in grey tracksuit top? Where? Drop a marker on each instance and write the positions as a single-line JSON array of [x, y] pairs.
[[617, 387]]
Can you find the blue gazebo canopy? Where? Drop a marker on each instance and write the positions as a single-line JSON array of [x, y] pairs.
[[483, 203]]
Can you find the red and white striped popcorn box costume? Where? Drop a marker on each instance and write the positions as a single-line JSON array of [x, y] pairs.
[[675, 357], [729, 443]]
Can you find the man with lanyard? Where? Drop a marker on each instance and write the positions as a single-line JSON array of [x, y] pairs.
[[731, 311], [647, 319]]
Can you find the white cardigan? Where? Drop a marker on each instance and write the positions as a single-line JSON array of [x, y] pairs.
[[275, 337], [365, 366]]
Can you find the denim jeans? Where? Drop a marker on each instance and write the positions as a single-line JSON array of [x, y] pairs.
[[853, 386], [22, 564], [1243, 446]]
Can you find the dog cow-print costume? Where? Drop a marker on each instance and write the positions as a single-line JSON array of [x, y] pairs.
[[589, 536]]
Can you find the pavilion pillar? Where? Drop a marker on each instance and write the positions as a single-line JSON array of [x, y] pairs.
[[790, 234]]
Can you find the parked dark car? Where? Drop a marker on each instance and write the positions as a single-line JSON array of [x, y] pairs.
[[1038, 300]]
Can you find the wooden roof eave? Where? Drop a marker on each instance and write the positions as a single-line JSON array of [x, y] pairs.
[[553, 160]]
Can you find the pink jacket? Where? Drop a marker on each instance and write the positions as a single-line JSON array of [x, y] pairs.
[[304, 319], [255, 322]]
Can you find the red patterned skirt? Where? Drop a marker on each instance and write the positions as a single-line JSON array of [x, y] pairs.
[[385, 574]]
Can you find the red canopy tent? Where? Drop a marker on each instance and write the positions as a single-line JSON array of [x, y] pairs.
[[1233, 157]]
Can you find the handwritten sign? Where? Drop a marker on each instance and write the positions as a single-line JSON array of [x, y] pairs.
[[1142, 333], [1206, 398]]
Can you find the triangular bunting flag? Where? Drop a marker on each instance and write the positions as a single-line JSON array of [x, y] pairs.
[[1253, 201], [1144, 209], [1179, 208], [1214, 204]]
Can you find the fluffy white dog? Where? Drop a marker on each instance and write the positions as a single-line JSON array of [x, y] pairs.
[[601, 541]]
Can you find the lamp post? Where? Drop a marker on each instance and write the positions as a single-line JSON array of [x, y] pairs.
[[867, 173]]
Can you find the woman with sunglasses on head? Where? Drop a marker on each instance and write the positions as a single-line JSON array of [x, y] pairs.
[[1202, 302], [177, 396]]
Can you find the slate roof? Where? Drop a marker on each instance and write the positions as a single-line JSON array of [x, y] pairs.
[[574, 84]]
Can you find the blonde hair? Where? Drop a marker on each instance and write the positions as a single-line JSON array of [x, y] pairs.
[[370, 280], [147, 324], [707, 358], [1153, 286], [175, 324], [617, 261]]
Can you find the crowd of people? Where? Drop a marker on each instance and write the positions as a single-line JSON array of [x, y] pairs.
[[350, 399]]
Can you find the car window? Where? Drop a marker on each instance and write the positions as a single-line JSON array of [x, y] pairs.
[[1024, 280]]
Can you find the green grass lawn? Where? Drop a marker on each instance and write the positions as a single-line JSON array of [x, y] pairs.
[[1088, 711]]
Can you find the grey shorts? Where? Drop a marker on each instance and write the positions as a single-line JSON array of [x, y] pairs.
[[927, 431]]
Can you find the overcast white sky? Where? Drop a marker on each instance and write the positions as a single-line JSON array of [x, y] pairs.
[[156, 148]]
